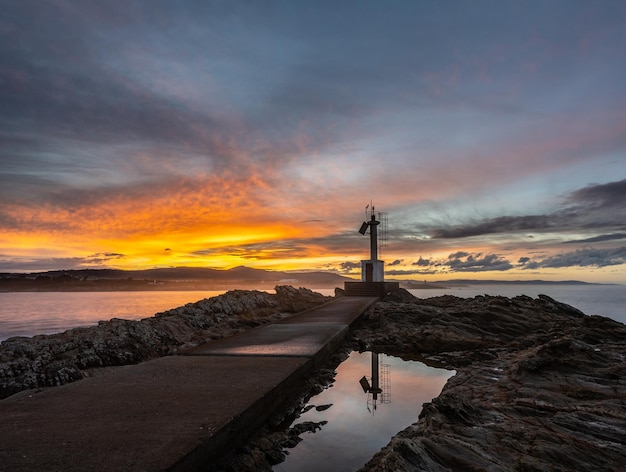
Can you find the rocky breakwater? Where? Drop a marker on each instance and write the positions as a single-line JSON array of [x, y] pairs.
[[51, 360], [539, 385]]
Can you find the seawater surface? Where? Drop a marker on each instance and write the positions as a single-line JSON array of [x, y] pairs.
[[32, 313], [591, 299], [357, 426]]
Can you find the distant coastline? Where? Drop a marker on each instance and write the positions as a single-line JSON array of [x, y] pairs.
[[171, 279], [446, 284], [188, 279], [458, 282]]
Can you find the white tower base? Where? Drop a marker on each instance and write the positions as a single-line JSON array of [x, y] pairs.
[[372, 271]]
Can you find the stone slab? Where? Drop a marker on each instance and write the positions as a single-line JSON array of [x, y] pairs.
[[174, 412], [286, 340], [340, 310]]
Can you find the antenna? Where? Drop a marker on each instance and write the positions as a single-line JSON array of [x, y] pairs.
[[379, 391], [383, 237], [379, 237]]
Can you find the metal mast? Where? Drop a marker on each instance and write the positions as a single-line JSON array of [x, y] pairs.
[[373, 224]]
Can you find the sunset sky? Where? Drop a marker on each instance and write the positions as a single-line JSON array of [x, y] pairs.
[[141, 134]]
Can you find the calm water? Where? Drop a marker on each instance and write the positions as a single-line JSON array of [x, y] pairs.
[[31, 313], [605, 300], [357, 427]]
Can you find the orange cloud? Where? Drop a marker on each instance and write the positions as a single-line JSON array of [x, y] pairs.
[[199, 220]]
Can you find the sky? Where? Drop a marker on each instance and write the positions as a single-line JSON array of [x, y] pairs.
[[141, 134]]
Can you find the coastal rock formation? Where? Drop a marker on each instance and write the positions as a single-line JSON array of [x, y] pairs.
[[51, 360], [539, 385]]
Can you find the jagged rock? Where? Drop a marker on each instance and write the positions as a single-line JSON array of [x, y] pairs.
[[51, 360], [538, 385]]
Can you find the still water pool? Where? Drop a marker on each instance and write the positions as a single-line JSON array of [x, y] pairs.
[[358, 425]]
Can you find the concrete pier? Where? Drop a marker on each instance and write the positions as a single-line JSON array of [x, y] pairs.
[[173, 413]]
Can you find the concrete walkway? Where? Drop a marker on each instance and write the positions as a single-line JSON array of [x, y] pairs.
[[172, 413]]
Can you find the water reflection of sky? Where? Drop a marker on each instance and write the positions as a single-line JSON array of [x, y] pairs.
[[353, 433]]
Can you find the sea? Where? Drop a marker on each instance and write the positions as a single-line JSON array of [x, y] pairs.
[[35, 313]]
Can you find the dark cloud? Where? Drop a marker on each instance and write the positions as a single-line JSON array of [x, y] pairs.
[[592, 208], [86, 85], [348, 266], [463, 262], [600, 197], [396, 273], [598, 239], [102, 258], [394, 263], [502, 224], [123, 101], [583, 258], [115, 255], [421, 262], [10, 264], [258, 251]]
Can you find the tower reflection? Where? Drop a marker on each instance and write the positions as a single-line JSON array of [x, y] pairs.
[[379, 390]]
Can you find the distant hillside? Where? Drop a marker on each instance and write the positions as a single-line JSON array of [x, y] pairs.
[[176, 278]]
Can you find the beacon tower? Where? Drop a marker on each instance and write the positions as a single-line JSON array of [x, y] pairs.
[[372, 270]]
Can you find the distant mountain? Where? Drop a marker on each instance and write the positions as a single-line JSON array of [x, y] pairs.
[[194, 278], [185, 274]]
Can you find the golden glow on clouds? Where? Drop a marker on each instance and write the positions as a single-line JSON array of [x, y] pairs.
[[191, 223], [223, 222]]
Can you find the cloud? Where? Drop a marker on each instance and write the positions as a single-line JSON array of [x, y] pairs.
[[258, 251], [348, 266], [595, 207], [600, 197], [463, 262], [206, 127], [599, 239], [421, 262], [102, 258], [583, 258], [502, 224], [20, 264], [395, 273]]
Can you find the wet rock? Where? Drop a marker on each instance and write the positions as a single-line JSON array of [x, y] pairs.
[[52, 360], [539, 385]]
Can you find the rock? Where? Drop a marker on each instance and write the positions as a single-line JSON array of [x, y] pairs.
[[52, 360], [538, 385]]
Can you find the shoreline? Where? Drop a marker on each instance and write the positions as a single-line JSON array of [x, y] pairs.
[[145, 286]]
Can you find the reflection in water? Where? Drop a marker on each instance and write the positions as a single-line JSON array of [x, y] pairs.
[[357, 425], [379, 390]]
